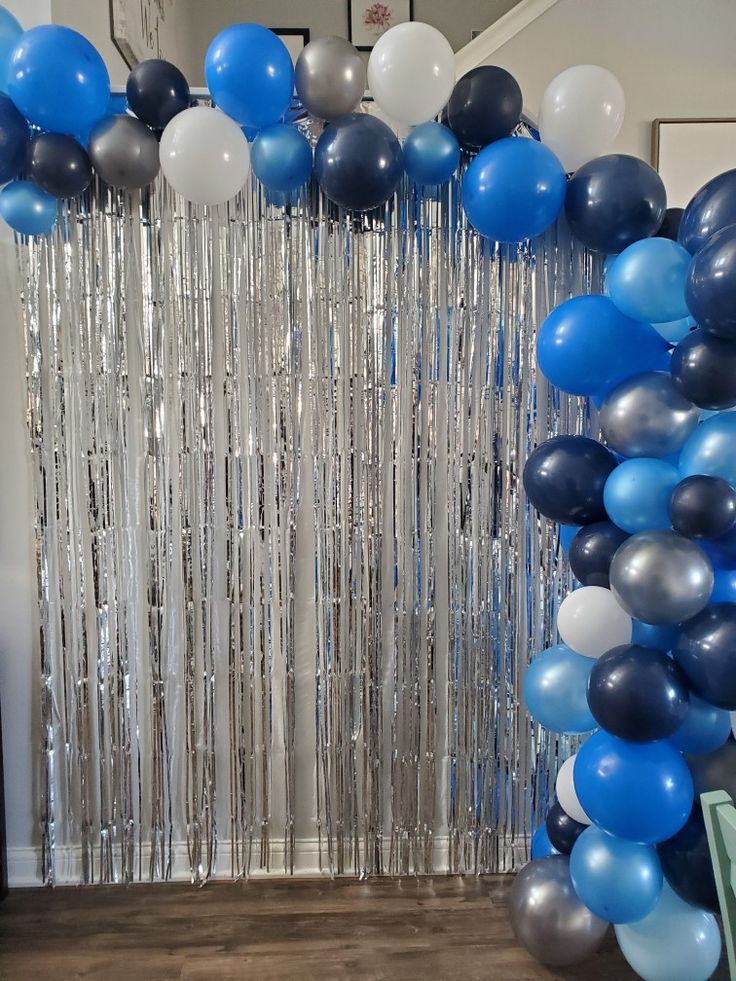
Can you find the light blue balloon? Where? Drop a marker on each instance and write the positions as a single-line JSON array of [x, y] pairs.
[[10, 31], [647, 281], [28, 209], [705, 729], [711, 449], [58, 80], [673, 331], [618, 880], [555, 690], [281, 158], [431, 154], [637, 494], [675, 942], [542, 847]]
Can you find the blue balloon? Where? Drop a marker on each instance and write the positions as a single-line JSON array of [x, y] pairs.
[[649, 635], [117, 105], [358, 162], [705, 652], [710, 290], [710, 210], [281, 158], [675, 942], [15, 135], [567, 533], [647, 281], [675, 330], [721, 551], [28, 209], [724, 586], [431, 153], [586, 346], [637, 494], [705, 729], [555, 687], [542, 847], [250, 75], [564, 479], [639, 791], [513, 189], [618, 880], [711, 449], [58, 80], [10, 32]]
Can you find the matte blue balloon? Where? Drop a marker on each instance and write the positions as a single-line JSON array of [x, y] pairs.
[[721, 551], [710, 210], [711, 449], [542, 847], [710, 290], [618, 880], [513, 189], [15, 135], [118, 104], [28, 209], [10, 31], [637, 494], [675, 942], [649, 635], [555, 687], [431, 154], [639, 791], [58, 80], [705, 729], [567, 533], [586, 346], [358, 162], [281, 158], [250, 74], [647, 281], [724, 586]]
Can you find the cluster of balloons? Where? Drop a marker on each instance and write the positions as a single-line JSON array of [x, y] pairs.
[[646, 663]]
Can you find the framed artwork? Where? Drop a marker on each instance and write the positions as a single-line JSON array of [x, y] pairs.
[[138, 28], [295, 39], [689, 152], [368, 21]]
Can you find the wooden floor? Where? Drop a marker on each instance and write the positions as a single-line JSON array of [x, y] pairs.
[[291, 930]]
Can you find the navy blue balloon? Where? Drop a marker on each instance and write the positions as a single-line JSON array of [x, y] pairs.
[[586, 346], [564, 479], [703, 366], [431, 154], [721, 551], [542, 847], [613, 201], [649, 635], [687, 864], [710, 289], [638, 693], [705, 728], [14, 136], [703, 507], [706, 652], [157, 91], [639, 791], [59, 165], [358, 162], [513, 190], [281, 158], [485, 106], [562, 830], [710, 210], [592, 550]]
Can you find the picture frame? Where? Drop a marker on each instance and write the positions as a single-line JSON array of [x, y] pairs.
[[295, 39], [687, 152], [367, 20], [138, 29]]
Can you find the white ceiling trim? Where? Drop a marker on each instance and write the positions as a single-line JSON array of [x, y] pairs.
[[512, 23]]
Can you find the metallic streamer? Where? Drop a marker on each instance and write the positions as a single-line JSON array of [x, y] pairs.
[[288, 580]]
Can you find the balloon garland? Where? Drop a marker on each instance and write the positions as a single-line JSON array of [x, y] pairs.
[[646, 659]]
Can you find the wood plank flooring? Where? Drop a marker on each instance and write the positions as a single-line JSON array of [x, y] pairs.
[[277, 930]]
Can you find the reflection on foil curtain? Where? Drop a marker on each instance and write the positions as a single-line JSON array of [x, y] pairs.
[[287, 577]]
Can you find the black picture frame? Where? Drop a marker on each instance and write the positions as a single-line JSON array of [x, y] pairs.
[[293, 32], [357, 4]]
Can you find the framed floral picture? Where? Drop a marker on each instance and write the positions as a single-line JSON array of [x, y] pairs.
[[368, 21]]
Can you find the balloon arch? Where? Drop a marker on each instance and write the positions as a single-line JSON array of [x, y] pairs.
[[646, 661]]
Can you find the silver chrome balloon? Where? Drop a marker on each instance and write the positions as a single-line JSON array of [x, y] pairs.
[[124, 152], [647, 416], [547, 916], [660, 577], [330, 77]]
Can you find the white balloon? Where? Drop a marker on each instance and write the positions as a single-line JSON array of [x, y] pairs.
[[411, 72], [204, 155], [565, 790], [581, 114], [591, 622]]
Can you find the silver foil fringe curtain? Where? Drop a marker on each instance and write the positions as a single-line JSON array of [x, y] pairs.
[[288, 580]]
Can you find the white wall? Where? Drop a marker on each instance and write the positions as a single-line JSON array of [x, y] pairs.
[[673, 57]]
